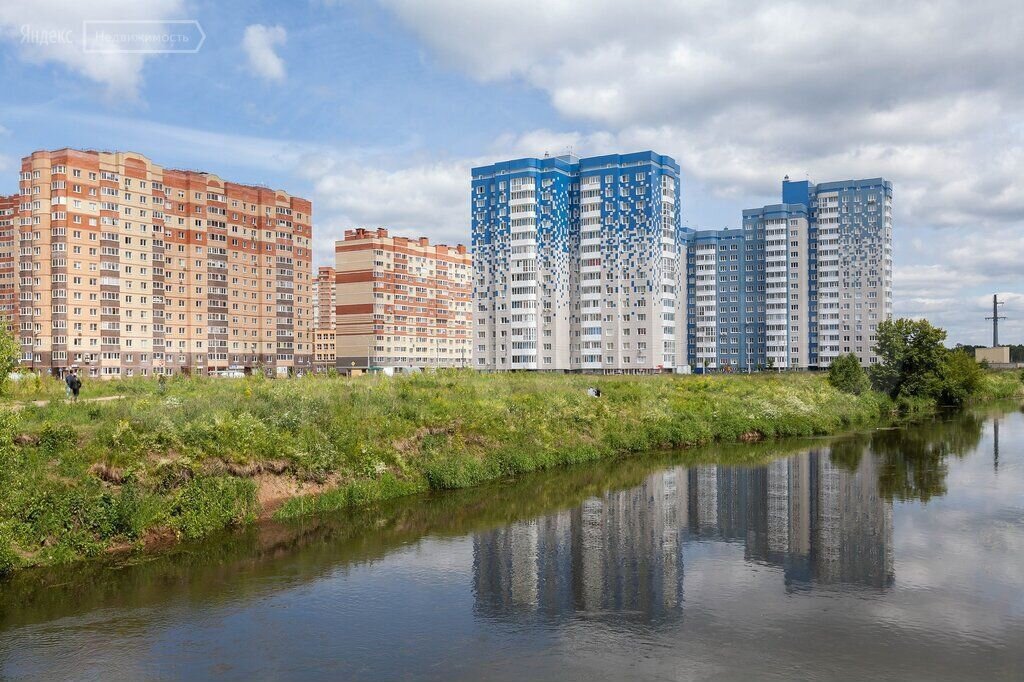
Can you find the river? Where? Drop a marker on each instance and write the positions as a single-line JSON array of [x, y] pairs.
[[888, 554]]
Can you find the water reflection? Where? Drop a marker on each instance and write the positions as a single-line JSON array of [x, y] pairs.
[[624, 551]]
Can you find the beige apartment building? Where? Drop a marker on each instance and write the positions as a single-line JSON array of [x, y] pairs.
[[126, 269], [401, 302], [324, 318]]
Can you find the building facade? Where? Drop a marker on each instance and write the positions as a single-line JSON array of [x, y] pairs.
[[401, 302], [849, 264], [580, 264], [725, 319], [8, 261], [128, 269], [801, 283], [324, 319]]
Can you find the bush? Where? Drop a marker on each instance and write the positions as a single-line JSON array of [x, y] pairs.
[[960, 378], [207, 504], [847, 375], [56, 438]]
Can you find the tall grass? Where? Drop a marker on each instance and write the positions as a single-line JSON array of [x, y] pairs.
[[187, 458]]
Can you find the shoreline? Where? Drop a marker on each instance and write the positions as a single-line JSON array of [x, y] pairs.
[[131, 491]]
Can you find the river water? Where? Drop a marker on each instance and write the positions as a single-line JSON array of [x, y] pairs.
[[891, 554]]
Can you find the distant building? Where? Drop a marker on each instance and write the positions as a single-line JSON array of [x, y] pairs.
[[1000, 355], [324, 319], [127, 268], [800, 284], [8, 260], [401, 302], [725, 321], [579, 264], [779, 235]]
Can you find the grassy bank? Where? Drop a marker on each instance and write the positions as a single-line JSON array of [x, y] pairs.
[[200, 455]]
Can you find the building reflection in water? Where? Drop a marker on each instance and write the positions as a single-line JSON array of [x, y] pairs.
[[624, 552]]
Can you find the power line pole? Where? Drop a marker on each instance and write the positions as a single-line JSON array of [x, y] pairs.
[[995, 319]]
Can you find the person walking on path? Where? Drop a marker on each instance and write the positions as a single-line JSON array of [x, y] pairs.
[[74, 385]]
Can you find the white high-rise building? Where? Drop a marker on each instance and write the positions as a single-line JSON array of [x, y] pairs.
[[580, 264]]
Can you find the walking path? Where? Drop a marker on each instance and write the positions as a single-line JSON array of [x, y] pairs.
[[44, 403]]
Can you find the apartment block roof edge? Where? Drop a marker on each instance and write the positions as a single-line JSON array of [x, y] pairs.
[[166, 169], [358, 233], [567, 161]]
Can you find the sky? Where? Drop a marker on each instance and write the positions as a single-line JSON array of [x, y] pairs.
[[377, 109]]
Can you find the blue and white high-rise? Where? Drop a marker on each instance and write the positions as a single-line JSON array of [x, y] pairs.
[[801, 283], [580, 264], [849, 264]]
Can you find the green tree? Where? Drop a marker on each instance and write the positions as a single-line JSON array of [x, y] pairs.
[[10, 353], [847, 375], [961, 377], [911, 358]]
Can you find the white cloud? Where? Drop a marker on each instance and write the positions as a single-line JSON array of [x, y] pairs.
[[259, 43], [430, 199], [50, 31], [742, 93]]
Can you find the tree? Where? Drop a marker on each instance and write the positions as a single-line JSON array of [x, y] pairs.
[[10, 353], [1017, 352], [847, 375], [961, 377], [914, 363], [911, 358]]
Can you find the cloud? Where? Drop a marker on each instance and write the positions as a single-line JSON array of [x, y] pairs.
[[742, 93], [259, 43], [429, 199], [50, 31]]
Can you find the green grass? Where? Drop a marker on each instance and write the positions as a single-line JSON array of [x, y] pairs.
[[182, 461]]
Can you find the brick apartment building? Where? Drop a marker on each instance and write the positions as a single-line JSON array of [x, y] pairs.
[[401, 302], [324, 318], [8, 257], [125, 268]]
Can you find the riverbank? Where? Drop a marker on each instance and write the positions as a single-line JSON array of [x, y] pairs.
[[199, 455]]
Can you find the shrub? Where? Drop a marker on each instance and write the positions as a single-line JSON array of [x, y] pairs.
[[960, 378], [56, 438], [211, 503], [847, 375]]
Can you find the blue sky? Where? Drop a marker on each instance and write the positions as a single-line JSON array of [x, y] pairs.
[[376, 109]]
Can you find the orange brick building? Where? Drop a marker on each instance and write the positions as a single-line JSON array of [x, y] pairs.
[[8, 258], [401, 302], [128, 269]]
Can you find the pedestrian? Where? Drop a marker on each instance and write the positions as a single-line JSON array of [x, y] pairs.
[[75, 384], [67, 383]]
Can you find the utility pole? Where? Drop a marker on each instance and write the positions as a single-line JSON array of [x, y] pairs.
[[995, 319]]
